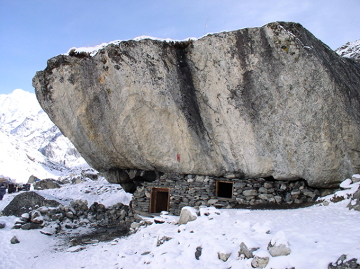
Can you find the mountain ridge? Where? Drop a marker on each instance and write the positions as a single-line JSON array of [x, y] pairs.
[[350, 50]]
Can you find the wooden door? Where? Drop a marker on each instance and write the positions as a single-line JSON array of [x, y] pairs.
[[159, 200]]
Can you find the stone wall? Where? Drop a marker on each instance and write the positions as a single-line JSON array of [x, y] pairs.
[[37, 212], [193, 190]]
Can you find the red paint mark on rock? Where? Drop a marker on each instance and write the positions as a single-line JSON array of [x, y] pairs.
[[178, 157]]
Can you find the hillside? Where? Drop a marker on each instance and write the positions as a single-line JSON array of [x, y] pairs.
[[30, 143]]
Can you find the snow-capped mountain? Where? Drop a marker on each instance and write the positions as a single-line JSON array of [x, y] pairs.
[[30, 143], [350, 50]]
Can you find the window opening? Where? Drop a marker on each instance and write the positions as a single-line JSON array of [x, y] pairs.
[[224, 189]]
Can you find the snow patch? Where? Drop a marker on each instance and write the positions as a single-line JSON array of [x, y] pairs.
[[279, 239], [93, 50]]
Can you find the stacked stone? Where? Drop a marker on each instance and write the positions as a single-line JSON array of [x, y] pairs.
[[260, 191], [118, 214], [191, 190], [76, 215]]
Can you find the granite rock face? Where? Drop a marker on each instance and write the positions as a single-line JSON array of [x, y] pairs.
[[257, 102]]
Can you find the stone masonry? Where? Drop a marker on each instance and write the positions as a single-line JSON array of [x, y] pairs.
[[197, 190]]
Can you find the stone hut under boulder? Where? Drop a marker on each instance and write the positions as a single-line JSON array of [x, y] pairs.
[[171, 192], [254, 116]]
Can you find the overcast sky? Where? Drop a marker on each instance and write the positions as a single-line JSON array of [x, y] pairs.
[[32, 31]]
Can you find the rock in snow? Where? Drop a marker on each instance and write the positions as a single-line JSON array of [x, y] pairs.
[[341, 263], [355, 178], [198, 253], [260, 262], [14, 240], [245, 251], [187, 214], [224, 256], [279, 246], [268, 101], [355, 201]]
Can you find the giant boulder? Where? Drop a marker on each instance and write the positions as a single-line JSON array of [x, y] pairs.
[[268, 101]]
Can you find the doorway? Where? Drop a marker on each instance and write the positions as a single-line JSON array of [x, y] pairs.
[[159, 200]]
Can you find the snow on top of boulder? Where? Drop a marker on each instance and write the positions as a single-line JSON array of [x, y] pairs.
[[355, 178], [350, 50], [93, 50], [262, 253], [190, 209], [279, 239], [348, 186], [346, 183]]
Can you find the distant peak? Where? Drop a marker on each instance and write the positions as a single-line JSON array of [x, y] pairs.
[[350, 50], [20, 93]]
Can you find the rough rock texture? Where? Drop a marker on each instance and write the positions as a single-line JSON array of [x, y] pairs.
[[25, 201], [279, 246], [355, 178], [259, 102], [187, 214], [260, 262], [341, 263], [224, 256], [14, 240], [245, 251], [355, 201], [45, 184], [113, 219], [198, 253]]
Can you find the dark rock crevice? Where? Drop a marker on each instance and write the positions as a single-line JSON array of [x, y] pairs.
[[188, 100]]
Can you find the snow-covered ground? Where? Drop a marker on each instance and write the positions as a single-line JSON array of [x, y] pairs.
[[317, 236], [100, 191]]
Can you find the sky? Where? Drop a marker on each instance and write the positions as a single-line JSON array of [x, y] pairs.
[[33, 31]]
